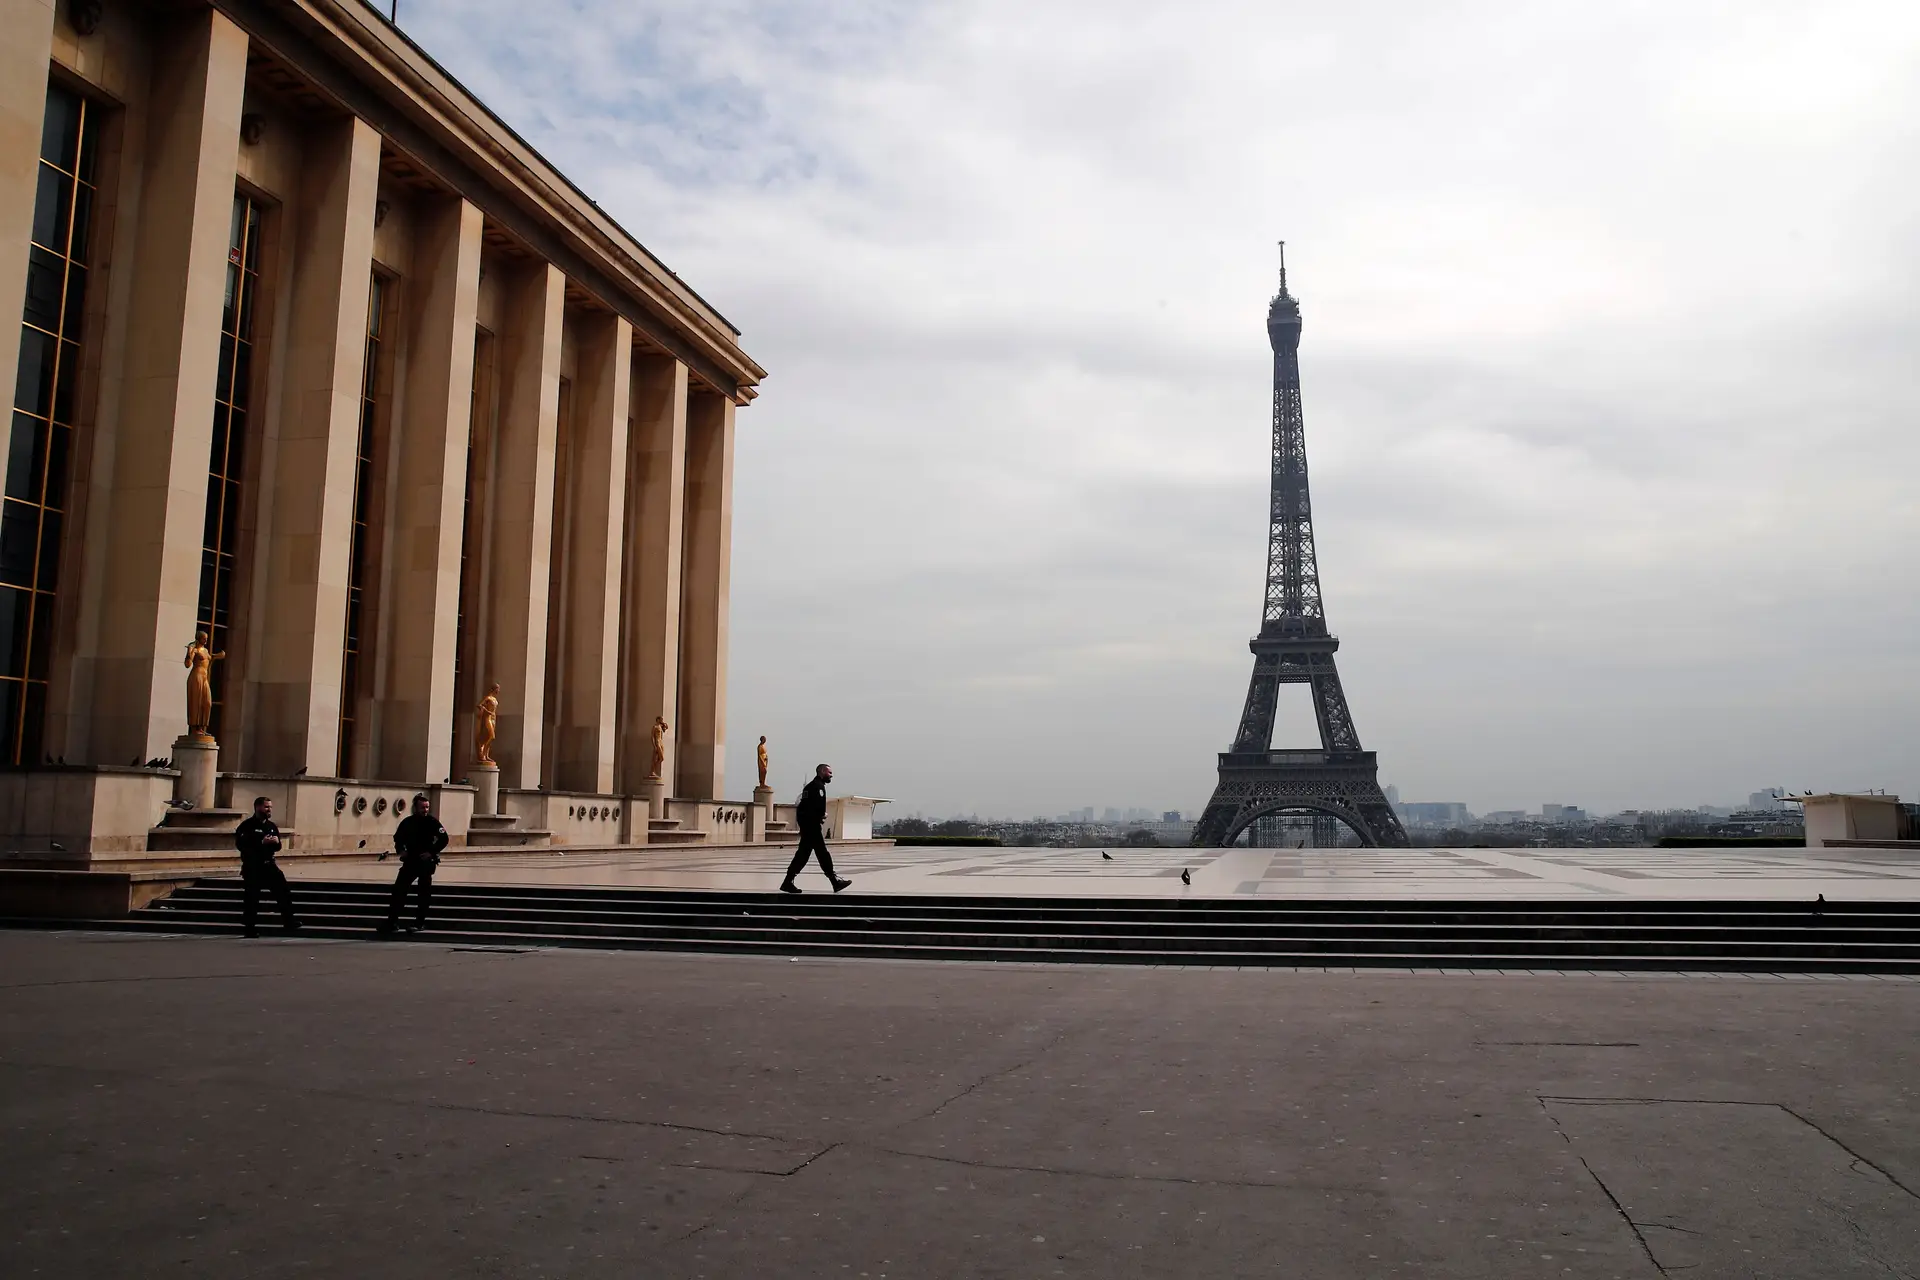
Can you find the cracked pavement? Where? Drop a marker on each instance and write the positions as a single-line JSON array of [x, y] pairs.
[[212, 1107]]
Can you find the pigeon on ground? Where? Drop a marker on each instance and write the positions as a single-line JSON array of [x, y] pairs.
[[1186, 876], [301, 772], [182, 805], [363, 844], [134, 763], [1106, 855], [56, 846]]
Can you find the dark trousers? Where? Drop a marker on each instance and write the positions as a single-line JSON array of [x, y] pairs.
[[263, 873], [811, 842], [411, 870]]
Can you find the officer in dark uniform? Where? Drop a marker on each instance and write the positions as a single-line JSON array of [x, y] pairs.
[[258, 841], [418, 840], [811, 814]]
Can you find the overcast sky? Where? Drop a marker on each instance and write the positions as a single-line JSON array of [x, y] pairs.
[[1609, 367]]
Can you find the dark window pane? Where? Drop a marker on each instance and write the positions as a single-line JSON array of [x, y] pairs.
[[19, 529], [223, 380], [218, 452], [24, 445], [242, 371], [33, 721], [58, 440], [253, 236], [33, 386], [82, 220], [73, 313], [236, 440], [13, 631], [50, 526], [50, 205], [210, 530], [10, 723], [46, 280], [206, 588], [227, 311], [60, 131], [90, 144], [68, 378], [40, 650]]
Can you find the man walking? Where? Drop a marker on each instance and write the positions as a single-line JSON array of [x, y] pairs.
[[258, 841], [418, 840], [811, 813]]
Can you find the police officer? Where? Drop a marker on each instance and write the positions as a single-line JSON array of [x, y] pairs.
[[418, 839], [811, 814], [258, 841]]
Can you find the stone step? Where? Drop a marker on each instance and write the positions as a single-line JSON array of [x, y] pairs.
[[507, 837], [203, 819], [1690, 936]]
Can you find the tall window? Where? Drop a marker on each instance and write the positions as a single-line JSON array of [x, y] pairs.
[[361, 544], [468, 610], [219, 545], [39, 441]]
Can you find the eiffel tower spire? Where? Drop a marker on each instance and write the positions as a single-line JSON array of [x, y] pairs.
[[1339, 780]]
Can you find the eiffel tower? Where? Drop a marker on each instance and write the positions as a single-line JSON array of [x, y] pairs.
[[1339, 781]]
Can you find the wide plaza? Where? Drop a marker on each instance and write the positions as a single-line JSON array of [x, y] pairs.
[[215, 1108], [1880, 875]]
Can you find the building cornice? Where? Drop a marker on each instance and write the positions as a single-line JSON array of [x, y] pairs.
[[354, 55]]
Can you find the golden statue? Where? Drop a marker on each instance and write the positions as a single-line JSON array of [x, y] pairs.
[[659, 746], [486, 719], [199, 664], [762, 752]]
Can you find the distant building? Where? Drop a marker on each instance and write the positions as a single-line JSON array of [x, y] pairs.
[[1505, 817], [1171, 815], [1764, 799], [1393, 795], [1447, 813]]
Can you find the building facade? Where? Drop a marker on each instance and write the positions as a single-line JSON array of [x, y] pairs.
[[322, 361]]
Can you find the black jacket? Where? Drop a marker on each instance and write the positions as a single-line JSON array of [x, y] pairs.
[[257, 839], [812, 809], [419, 836]]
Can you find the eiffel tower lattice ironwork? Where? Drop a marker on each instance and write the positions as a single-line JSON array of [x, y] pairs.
[[1294, 647]]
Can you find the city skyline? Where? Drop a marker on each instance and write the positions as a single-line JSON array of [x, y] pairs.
[[1579, 534]]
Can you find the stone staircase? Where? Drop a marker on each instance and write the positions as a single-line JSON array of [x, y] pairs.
[[668, 831], [1669, 936], [208, 831], [503, 831]]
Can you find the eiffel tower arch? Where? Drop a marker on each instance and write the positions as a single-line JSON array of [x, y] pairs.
[[1339, 780]]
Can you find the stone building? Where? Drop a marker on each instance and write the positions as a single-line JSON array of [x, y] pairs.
[[321, 359]]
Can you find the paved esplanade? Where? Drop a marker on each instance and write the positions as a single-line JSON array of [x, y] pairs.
[[1409, 874], [215, 1108]]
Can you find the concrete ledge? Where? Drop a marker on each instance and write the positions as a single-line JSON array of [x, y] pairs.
[[84, 895]]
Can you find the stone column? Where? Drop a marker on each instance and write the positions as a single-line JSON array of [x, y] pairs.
[[24, 56], [157, 500], [430, 475], [522, 532], [585, 741], [297, 666], [656, 496], [701, 767]]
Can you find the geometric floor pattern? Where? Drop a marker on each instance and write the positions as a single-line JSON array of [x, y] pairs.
[[1841, 874]]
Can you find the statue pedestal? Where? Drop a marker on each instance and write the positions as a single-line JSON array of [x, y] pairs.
[[655, 790], [761, 815], [486, 787], [198, 760]]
